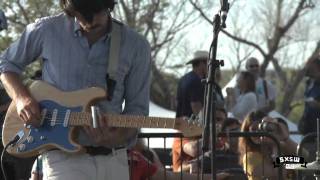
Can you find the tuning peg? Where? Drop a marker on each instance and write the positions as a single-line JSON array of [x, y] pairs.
[[189, 121], [192, 117]]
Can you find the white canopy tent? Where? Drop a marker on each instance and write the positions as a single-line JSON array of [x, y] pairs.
[[157, 111]]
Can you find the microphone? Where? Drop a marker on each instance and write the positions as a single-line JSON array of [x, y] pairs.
[[224, 11], [224, 5], [3, 21]]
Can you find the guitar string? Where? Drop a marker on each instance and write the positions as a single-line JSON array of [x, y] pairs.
[[124, 116], [59, 120], [63, 113], [133, 124], [48, 120], [63, 119]]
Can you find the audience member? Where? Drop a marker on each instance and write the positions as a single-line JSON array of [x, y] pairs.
[[190, 96], [265, 90], [231, 144], [258, 153], [147, 152], [308, 122], [227, 156], [191, 148], [240, 106], [190, 92]]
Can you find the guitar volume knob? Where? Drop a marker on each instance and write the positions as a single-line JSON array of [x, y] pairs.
[[21, 147], [30, 139], [43, 138]]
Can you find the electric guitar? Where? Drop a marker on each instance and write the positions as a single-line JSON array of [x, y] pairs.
[[62, 112]]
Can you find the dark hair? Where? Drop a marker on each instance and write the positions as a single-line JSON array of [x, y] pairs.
[[313, 61], [222, 109], [228, 122], [198, 62], [250, 82], [280, 120], [245, 143], [86, 8]]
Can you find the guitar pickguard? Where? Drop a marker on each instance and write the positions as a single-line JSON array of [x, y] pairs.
[[53, 131]]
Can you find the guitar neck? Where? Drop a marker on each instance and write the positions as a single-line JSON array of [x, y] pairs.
[[127, 121]]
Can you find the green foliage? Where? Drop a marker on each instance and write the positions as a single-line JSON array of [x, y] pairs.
[[296, 113], [20, 13], [4, 42]]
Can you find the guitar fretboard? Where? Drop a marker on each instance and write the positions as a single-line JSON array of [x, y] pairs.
[[130, 121]]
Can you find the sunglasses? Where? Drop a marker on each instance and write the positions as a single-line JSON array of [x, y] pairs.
[[254, 66], [234, 129]]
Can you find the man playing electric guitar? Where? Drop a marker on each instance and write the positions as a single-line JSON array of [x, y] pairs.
[[75, 48]]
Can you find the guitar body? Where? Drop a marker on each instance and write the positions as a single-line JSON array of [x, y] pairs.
[[54, 132]]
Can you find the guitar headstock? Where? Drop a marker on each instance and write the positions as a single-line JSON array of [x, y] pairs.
[[189, 127]]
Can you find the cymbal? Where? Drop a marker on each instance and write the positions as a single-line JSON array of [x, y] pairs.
[[313, 166]]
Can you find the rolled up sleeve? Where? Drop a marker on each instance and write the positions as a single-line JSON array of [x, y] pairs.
[[23, 51], [137, 82]]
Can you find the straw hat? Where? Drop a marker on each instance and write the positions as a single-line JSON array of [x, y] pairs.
[[199, 56]]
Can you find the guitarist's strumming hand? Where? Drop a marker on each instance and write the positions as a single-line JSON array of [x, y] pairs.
[[27, 107], [107, 136], [28, 110]]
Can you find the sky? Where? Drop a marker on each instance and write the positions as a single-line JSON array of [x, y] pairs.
[[241, 14]]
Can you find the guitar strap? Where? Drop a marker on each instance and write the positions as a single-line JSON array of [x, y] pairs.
[[113, 57]]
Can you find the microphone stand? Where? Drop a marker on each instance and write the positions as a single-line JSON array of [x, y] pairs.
[[210, 98]]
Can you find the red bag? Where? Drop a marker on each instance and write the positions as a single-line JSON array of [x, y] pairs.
[[140, 168]]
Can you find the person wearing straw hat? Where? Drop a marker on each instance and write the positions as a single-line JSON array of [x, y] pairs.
[[190, 89], [190, 95]]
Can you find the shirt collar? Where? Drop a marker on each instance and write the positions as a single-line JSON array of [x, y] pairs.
[[76, 28], [78, 33]]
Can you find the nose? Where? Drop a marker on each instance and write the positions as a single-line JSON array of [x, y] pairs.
[[91, 25]]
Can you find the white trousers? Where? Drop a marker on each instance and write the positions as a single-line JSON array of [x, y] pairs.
[[58, 165]]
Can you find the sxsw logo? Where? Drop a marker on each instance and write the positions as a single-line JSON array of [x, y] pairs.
[[290, 162]]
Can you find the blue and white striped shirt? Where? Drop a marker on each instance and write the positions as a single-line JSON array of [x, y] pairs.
[[69, 63]]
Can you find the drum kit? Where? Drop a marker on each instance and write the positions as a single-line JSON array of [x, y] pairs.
[[315, 165]]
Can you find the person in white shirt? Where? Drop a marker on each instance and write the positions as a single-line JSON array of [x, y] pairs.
[[246, 102], [265, 90]]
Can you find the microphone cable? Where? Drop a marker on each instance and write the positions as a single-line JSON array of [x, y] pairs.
[[13, 141]]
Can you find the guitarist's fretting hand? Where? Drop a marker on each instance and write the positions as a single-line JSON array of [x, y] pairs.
[[28, 110], [107, 136]]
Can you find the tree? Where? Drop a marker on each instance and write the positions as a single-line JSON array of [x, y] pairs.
[[21, 13], [277, 30], [160, 21]]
